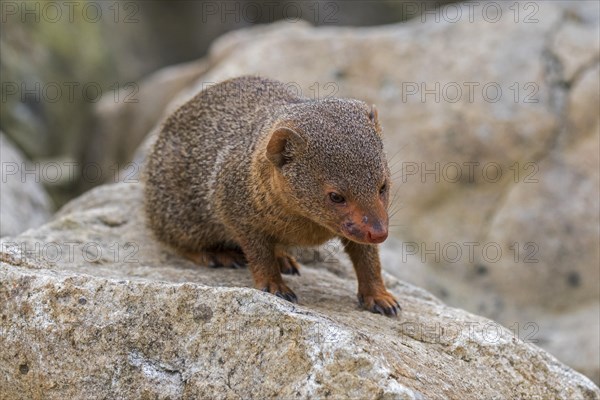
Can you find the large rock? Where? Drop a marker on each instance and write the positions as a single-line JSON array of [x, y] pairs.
[[120, 127], [93, 307], [175, 34], [503, 246], [24, 202]]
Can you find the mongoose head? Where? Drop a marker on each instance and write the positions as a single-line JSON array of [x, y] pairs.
[[329, 165]]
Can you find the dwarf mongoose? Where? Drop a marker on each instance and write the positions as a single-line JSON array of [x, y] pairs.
[[247, 169]]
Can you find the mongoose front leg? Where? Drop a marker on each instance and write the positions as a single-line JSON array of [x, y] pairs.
[[372, 294], [264, 263]]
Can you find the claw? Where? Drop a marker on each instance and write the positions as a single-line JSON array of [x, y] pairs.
[[282, 291], [292, 298], [381, 303], [361, 300], [291, 271], [288, 265]]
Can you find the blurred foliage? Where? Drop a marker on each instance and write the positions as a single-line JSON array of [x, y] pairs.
[[57, 55], [39, 61]]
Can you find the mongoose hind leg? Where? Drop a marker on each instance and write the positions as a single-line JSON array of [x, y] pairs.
[[216, 258], [287, 264]]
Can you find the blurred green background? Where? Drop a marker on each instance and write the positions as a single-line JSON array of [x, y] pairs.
[[59, 59]]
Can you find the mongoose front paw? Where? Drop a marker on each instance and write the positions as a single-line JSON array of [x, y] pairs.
[[280, 290], [382, 303], [288, 265]]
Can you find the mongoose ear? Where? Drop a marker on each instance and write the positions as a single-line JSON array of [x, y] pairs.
[[373, 115], [283, 142]]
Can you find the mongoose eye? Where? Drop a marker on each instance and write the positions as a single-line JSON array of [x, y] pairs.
[[336, 198], [383, 188]]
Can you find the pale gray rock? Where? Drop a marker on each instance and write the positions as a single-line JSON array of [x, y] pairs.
[[93, 307], [516, 96], [24, 202], [501, 247], [120, 127]]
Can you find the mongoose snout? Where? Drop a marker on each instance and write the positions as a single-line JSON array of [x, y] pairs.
[[247, 169], [366, 227]]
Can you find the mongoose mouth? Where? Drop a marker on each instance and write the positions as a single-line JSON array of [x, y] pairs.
[[369, 234]]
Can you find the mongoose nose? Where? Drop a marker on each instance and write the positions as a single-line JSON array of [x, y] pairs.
[[377, 235]]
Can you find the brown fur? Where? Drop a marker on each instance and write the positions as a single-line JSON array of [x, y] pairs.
[[245, 169]]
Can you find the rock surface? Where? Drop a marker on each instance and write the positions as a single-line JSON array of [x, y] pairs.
[[474, 98], [111, 148], [24, 203], [98, 307], [93, 307]]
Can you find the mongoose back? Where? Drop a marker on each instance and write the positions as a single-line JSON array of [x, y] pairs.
[[246, 169]]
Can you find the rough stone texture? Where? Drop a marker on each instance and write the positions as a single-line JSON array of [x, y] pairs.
[[111, 148], [553, 301], [99, 310], [24, 203], [543, 139]]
